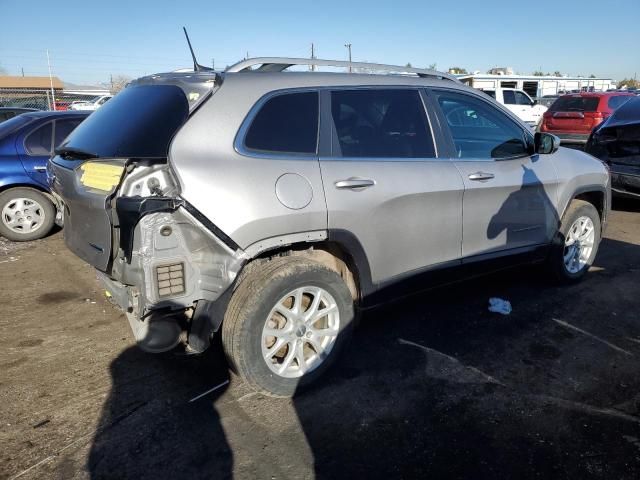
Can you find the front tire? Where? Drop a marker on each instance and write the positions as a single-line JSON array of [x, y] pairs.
[[25, 214], [576, 243], [286, 323]]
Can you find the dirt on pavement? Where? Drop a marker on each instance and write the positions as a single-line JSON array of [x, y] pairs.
[[431, 387]]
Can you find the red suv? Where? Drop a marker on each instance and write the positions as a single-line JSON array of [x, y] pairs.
[[572, 117]]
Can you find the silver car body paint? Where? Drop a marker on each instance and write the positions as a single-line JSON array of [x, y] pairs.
[[413, 214]]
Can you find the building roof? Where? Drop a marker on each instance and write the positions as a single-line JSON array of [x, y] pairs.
[[8, 81]]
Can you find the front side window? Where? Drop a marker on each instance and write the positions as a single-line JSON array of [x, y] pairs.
[[38, 142], [509, 97], [480, 131], [286, 123], [381, 123], [522, 99]]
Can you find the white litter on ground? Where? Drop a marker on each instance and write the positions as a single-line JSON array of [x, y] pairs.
[[499, 305]]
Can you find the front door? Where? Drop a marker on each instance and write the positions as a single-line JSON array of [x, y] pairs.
[[385, 185], [510, 195]]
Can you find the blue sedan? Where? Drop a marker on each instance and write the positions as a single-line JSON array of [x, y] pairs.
[[27, 210]]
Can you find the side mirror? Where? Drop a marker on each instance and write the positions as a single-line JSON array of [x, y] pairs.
[[534, 103], [545, 143]]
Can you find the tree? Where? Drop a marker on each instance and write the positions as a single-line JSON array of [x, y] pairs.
[[458, 70], [408, 65], [557, 73], [433, 66], [538, 73], [629, 83], [118, 82], [592, 76]]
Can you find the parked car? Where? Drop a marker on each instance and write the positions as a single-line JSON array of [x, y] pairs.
[[9, 112], [616, 141], [572, 117], [62, 105], [547, 100], [26, 142], [273, 206], [90, 105], [527, 109]]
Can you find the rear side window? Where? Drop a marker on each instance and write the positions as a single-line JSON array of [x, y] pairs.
[[615, 102], [491, 93], [38, 142], [63, 129], [381, 123], [575, 104], [287, 123], [509, 97]]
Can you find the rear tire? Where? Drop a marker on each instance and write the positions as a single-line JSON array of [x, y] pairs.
[[25, 214], [287, 321], [576, 244]]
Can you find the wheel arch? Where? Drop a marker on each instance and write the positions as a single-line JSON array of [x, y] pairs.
[[595, 195], [340, 251]]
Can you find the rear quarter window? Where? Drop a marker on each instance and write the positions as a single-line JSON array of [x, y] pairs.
[[575, 104], [286, 123]]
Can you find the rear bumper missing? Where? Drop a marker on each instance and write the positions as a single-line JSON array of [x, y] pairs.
[[170, 262]]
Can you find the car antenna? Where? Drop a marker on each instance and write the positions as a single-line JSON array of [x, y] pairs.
[[196, 66]]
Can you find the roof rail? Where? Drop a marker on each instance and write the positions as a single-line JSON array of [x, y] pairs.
[[278, 64]]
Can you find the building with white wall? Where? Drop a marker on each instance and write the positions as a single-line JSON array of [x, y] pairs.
[[538, 86]]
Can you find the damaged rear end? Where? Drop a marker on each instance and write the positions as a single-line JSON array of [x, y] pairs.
[[159, 259]]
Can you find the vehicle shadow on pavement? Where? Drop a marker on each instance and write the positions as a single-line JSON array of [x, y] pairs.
[[148, 428]]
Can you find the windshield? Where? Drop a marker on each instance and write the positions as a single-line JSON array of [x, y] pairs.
[[14, 123], [138, 122]]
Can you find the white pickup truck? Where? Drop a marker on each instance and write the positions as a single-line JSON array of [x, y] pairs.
[[90, 105], [519, 103]]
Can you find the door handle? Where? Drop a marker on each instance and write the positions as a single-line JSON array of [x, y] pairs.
[[40, 168], [354, 183], [481, 176]]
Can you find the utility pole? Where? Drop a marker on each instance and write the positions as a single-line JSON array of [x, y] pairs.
[[111, 81], [348, 45], [53, 96], [22, 68], [313, 56], [213, 63]]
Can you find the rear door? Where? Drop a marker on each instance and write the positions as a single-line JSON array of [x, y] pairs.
[[35, 147], [510, 196], [385, 184]]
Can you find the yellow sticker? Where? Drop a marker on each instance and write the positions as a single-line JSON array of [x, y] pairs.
[[100, 176]]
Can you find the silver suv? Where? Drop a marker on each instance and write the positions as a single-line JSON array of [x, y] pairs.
[[274, 205]]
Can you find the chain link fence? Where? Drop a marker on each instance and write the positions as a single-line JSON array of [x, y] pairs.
[[41, 99]]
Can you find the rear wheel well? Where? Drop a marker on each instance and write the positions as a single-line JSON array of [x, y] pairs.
[[23, 185], [595, 198], [330, 254]]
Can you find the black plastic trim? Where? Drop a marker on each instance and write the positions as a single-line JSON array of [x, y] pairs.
[[131, 209], [226, 239]]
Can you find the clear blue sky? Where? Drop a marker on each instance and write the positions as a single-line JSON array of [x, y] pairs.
[[89, 40]]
